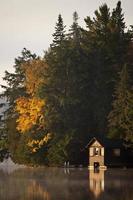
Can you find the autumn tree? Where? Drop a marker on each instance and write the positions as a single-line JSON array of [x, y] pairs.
[[31, 109], [35, 72], [30, 112], [13, 89]]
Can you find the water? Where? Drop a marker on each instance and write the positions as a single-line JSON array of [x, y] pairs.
[[22, 183]]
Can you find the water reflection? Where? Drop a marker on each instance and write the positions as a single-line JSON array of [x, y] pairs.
[[65, 184], [35, 191], [96, 182], [66, 171]]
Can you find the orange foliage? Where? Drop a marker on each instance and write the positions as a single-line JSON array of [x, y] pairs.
[[34, 75], [30, 112], [30, 109], [36, 144]]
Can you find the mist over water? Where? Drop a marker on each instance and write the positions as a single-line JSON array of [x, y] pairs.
[[18, 182]]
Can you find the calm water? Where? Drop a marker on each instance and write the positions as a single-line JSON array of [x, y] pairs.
[[21, 183]]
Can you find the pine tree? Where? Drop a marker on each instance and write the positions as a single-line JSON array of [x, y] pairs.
[[75, 30], [107, 42], [121, 117], [54, 90], [99, 72], [65, 74], [78, 80], [120, 38], [59, 35]]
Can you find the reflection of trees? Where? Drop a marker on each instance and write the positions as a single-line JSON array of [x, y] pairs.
[[20, 186], [65, 184], [56, 184], [35, 191], [44, 184], [11, 187]]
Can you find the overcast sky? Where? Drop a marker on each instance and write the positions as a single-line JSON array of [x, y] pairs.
[[30, 23]]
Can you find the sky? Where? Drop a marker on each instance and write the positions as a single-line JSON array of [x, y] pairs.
[[30, 24]]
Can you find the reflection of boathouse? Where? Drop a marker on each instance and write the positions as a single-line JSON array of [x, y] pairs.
[[96, 182], [96, 155]]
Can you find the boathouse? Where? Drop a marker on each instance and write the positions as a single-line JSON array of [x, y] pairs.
[[95, 155]]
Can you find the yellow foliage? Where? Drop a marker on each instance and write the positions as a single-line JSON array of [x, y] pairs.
[[34, 75], [36, 144], [30, 112]]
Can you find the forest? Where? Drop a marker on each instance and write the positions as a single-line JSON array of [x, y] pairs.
[[82, 87]]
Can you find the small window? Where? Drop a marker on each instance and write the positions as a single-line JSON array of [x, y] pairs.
[[116, 152], [96, 151]]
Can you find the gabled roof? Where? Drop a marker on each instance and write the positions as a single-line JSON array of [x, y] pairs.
[[105, 142], [93, 140]]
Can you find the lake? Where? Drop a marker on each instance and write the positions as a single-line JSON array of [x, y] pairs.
[[23, 183]]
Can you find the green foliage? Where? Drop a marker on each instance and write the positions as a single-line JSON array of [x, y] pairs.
[[59, 34], [3, 144], [107, 41], [57, 153], [121, 116]]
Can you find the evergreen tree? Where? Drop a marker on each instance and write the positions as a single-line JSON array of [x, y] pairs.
[[55, 91], [120, 38], [75, 30], [121, 117], [59, 35], [78, 80], [55, 88], [106, 41], [15, 81], [96, 44], [65, 75]]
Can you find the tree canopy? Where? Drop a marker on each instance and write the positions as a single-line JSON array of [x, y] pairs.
[[81, 88]]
